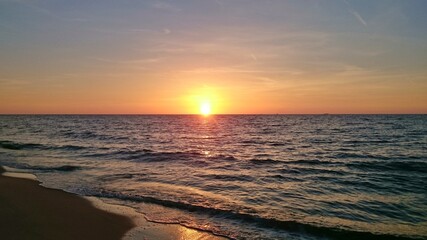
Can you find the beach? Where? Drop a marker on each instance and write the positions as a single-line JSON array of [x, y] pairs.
[[30, 211]]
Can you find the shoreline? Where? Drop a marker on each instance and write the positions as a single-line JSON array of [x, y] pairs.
[[31, 211]]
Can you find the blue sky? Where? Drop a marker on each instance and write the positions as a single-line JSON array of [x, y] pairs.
[[147, 56]]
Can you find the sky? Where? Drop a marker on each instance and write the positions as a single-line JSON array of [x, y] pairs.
[[238, 56]]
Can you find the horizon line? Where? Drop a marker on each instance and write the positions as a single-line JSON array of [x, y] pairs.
[[197, 114]]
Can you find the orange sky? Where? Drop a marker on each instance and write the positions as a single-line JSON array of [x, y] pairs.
[[170, 58]]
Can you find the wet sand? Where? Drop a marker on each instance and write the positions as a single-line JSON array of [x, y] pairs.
[[30, 211]]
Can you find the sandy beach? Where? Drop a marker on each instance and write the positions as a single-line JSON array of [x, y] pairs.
[[30, 211]]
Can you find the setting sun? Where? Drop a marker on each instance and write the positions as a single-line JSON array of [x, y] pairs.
[[204, 100], [205, 108]]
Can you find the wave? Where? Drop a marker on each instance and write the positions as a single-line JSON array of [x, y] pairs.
[[264, 161], [224, 177], [10, 145], [317, 171], [147, 155], [277, 144], [311, 162], [111, 177], [280, 178], [90, 135], [19, 146], [252, 142], [341, 155], [68, 147], [62, 168], [400, 166], [151, 156], [161, 156], [269, 223], [65, 168]]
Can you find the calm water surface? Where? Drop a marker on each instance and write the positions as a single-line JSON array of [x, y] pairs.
[[241, 176]]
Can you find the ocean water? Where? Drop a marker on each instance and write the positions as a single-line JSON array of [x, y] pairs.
[[240, 176]]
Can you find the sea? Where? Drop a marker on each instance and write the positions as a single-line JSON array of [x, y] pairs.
[[239, 176]]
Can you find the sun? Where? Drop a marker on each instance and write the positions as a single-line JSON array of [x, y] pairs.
[[204, 102], [205, 108]]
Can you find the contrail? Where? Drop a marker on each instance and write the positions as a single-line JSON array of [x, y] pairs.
[[355, 14], [358, 17]]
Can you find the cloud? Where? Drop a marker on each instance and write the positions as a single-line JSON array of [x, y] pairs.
[[355, 14], [358, 17], [12, 83], [31, 5], [166, 7], [129, 62], [221, 4], [233, 70], [164, 50], [77, 19]]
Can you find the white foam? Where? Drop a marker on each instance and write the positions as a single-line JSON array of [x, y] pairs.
[[16, 173], [150, 230]]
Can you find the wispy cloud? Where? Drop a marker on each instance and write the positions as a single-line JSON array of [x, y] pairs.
[[128, 61], [254, 57], [31, 5], [77, 19], [13, 83], [164, 50], [166, 6], [355, 14], [238, 70], [221, 4], [358, 17]]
